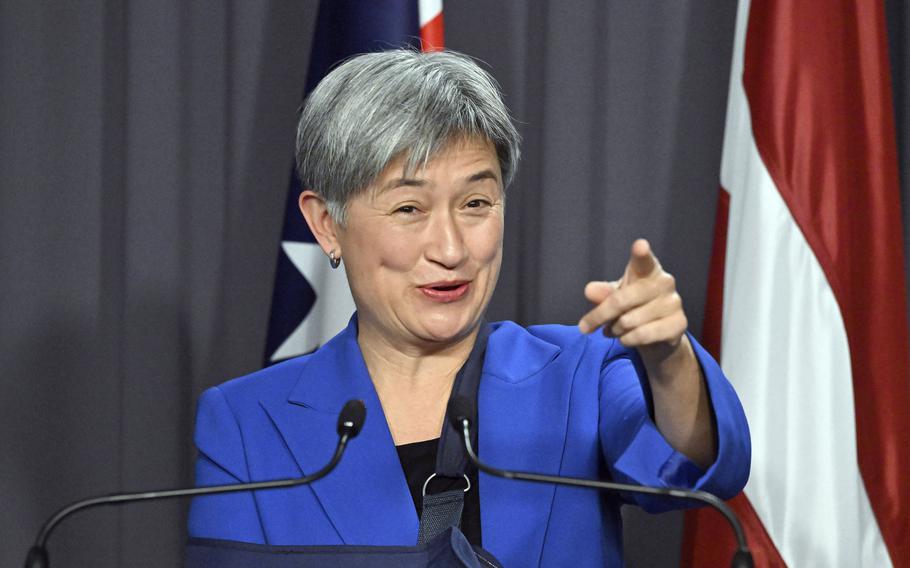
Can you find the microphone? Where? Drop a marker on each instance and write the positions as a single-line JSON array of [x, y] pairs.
[[459, 411], [350, 422]]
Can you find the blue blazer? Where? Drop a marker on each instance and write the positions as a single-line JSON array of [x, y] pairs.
[[551, 400]]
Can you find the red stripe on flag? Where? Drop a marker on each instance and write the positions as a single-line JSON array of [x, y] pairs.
[[707, 538], [431, 35], [714, 308], [818, 82]]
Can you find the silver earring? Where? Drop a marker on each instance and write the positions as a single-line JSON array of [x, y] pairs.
[[335, 261]]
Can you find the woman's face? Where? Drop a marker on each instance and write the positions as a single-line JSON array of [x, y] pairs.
[[422, 252]]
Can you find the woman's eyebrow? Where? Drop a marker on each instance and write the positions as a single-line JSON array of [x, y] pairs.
[[416, 182]]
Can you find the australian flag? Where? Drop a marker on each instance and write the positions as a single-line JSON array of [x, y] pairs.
[[311, 302]]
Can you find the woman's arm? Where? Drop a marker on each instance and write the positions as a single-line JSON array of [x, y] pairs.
[[644, 311]]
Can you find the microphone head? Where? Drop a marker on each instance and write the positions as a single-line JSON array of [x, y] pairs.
[[459, 409], [351, 419]]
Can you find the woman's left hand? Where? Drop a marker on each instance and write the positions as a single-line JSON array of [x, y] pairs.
[[642, 309]]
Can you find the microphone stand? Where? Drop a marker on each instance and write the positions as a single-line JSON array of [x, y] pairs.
[[742, 558], [350, 422]]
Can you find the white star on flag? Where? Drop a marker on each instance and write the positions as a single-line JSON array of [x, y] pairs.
[[331, 310]]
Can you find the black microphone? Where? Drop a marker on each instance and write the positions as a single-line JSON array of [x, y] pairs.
[[350, 421], [459, 411]]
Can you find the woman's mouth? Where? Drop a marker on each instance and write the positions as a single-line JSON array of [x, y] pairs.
[[445, 292]]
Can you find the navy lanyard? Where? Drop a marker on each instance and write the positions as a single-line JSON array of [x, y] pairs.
[[451, 459], [443, 510]]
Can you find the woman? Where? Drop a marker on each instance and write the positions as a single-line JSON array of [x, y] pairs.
[[405, 158]]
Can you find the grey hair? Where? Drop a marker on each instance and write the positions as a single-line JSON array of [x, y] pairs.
[[379, 106]]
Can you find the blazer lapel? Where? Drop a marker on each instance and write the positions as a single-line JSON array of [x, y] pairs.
[[523, 413], [366, 498]]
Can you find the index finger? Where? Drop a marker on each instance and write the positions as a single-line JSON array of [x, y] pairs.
[[642, 262]]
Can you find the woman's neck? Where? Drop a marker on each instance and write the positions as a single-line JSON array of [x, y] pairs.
[[411, 364], [413, 384]]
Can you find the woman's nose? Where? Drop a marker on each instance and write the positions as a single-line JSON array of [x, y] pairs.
[[445, 242]]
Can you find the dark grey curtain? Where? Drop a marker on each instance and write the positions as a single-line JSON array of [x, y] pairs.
[[898, 19], [144, 154]]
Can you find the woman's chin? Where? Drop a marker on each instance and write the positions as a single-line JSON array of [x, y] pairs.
[[446, 329]]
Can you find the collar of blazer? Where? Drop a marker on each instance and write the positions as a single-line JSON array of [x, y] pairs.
[[522, 425]]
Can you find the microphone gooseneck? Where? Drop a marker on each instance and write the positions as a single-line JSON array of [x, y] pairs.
[[458, 415], [350, 422]]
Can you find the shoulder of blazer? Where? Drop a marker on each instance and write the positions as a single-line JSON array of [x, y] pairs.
[[515, 353], [274, 381]]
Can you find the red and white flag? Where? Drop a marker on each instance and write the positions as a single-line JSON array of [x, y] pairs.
[[431, 29], [806, 303]]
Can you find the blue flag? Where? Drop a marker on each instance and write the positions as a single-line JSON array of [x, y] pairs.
[[311, 302]]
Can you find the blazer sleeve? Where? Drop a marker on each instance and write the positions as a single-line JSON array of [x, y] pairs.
[[221, 461], [635, 450]]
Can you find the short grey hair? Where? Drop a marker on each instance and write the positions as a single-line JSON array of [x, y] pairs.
[[379, 106]]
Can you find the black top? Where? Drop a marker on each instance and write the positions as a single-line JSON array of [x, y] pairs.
[[418, 460]]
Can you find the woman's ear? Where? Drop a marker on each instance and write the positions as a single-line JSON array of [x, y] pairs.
[[321, 223]]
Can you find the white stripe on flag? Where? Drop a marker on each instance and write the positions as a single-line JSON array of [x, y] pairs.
[[428, 9]]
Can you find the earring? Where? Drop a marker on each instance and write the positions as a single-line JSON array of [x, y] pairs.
[[334, 261]]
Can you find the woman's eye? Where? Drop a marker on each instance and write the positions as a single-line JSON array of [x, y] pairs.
[[407, 209], [475, 203]]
